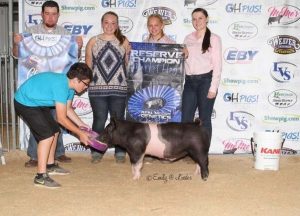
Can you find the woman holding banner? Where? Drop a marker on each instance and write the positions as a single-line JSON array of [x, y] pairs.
[[155, 25], [203, 67], [106, 54]]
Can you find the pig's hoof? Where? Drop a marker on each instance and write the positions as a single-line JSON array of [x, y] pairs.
[[204, 176], [136, 177]]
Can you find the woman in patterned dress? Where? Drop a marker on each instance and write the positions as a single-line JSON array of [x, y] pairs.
[[106, 54]]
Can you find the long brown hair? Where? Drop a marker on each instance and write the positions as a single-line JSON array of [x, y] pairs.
[[118, 32], [206, 39]]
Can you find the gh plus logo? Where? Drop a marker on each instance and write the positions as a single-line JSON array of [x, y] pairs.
[[283, 72], [235, 56], [239, 120]]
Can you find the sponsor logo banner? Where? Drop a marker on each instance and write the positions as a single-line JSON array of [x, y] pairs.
[[282, 98], [284, 44], [167, 14], [283, 15], [155, 79], [283, 71], [242, 30]]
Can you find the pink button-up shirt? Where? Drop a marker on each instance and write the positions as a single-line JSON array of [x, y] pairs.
[[199, 63]]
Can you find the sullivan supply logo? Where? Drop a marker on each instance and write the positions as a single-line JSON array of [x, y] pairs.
[[35, 3], [242, 30], [167, 14], [239, 120], [125, 24], [282, 98], [284, 44], [33, 19], [77, 29], [118, 3], [240, 98], [234, 56], [198, 3], [283, 72], [241, 8], [283, 15]]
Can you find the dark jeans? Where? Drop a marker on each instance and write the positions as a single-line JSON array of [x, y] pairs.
[[195, 96], [32, 144], [101, 106]]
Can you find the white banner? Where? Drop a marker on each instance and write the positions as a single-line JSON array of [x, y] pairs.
[[260, 40]]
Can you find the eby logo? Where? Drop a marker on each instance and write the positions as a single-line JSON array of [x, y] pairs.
[[77, 29], [234, 56], [283, 71]]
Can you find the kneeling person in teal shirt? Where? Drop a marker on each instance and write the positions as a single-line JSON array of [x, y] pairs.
[[33, 102]]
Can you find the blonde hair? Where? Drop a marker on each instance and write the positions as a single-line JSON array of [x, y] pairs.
[[159, 17]]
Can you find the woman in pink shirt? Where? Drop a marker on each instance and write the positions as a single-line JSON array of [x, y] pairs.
[[202, 70]]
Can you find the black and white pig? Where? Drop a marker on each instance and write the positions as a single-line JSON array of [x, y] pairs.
[[169, 141]]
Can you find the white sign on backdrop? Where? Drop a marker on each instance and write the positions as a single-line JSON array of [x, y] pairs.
[[260, 39]]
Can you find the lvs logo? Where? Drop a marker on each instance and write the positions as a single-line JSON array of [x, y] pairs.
[[239, 120], [283, 72]]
